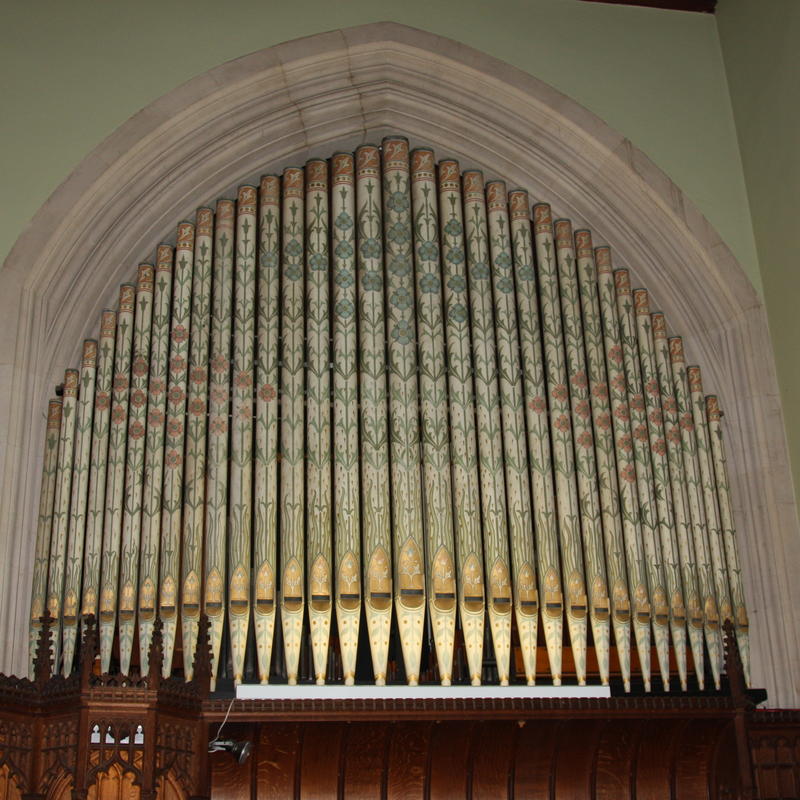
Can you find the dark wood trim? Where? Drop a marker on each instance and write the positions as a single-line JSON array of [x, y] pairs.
[[702, 6]]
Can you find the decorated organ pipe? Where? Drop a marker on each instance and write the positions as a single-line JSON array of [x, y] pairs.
[[408, 548], [538, 432], [487, 414], [77, 512], [196, 431], [61, 505], [568, 514], [437, 476], [172, 488], [292, 478], [347, 497], [734, 569], [515, 456], [376, 514], [319, 509], [663, 497], [154, 453], [216, 539], [463, 437], [58, 541], [585, 464], [709, 492], [376, 385], [44, 524], [115, 473], [622, 582], [240, 511], [134, 466], [694, 488], [644, 476], [637, 563], [680, 496], [101, 424], [265, 486]]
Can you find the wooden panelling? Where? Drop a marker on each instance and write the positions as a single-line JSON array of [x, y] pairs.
[[692, 755], [568, 759], [616, 751], [450, 751], [365, 763], [408, 761], [655, 757], [536, 752], [229, 779], [322, 755], [492, 759], [575, 764], [276, 758]]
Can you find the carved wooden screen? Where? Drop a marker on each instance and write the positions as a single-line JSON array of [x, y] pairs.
[[376, 406]]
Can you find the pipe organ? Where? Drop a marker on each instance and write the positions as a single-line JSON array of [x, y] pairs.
[[377, 413]]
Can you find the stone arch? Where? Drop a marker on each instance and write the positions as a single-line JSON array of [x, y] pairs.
[[339, 89]]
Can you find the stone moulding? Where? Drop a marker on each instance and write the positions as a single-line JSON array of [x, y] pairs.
[[340, 89]]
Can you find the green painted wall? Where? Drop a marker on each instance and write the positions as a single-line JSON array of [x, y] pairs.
[[73, 72], [762, 59]]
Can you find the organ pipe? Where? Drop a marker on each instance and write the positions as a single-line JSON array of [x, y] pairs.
[[561, 436], [376, 514], [637, 562], [487, 413], [265, 487], [680, 497], [437, 477], [319, 511], [134, 466], [463, 437], [406, 496], [734, 570], [77, 512], [196, 432], [154, 453], [115, 475], [538, 433], [44, 524], [644, 476], [694, 488], [585, 465], [663, 497], [347, 497], [622, 582]]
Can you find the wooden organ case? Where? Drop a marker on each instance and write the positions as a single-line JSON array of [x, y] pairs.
[[378, 422]]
